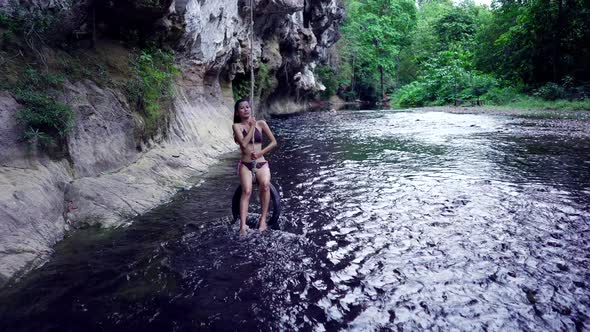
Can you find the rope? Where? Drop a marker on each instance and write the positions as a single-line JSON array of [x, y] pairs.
[[252, 56], [254, 166]]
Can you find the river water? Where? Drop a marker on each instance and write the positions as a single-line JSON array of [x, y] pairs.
[[391, 221]]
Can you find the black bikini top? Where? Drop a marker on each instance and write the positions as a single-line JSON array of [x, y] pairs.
[[257, 135]]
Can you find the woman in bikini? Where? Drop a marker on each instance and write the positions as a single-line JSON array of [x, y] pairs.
[[245, 127]]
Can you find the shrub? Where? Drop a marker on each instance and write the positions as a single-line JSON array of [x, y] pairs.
[[46, 120], [551, 91], [151, 87], [328, 78], [240, 88], [479, 84], [262, 84], [501, 96], [264, 81], [414, 94], [42, 81]]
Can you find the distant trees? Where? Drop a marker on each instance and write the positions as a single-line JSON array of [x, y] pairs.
[[435, 51], [538, 41], [376, 32]]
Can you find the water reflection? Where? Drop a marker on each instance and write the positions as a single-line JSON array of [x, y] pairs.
[[394, 220]]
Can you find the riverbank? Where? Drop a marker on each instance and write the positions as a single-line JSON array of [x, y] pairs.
[[503, 110]]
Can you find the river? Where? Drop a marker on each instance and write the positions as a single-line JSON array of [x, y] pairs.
[[391, 220]]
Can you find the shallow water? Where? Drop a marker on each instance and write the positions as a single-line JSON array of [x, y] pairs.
[[391, 220]]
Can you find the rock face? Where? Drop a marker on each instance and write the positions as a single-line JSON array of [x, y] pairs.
[[290, 38], [104, 140], [110, 175]]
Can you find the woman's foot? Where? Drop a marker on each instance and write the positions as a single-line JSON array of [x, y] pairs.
[[244, 230], [263, 226]]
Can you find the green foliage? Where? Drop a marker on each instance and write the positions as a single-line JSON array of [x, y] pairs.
[[445, 51], [7, 37], [478, 84], [77, 68], [537, 41], [455, 27], [36, 80], [328, 77], [376, 31], [7, 22], [151, 87], [501, 95], [262, 85], [38, 138], [535, 103], [30, 22], [263, 82], [551, 91], [446, 78], [241, 88], [337, 80], [415, 94], [47, 121]]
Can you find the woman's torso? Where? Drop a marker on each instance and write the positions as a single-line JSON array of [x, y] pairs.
[[257, 143]]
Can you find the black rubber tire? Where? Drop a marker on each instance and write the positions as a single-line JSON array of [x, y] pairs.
[[274, 209]]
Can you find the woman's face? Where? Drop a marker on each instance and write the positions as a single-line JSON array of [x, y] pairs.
[[244, 110]]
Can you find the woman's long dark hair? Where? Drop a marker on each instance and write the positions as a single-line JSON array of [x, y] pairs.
[[237, 118]]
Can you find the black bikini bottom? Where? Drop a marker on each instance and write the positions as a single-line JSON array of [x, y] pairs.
[[249, 165]]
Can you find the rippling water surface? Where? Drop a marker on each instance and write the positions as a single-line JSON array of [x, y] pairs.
[[391, 220]]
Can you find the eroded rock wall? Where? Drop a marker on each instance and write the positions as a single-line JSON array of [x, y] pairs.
[[291, 37]]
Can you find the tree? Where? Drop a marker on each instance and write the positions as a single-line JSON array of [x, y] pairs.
[[455, 27], [537, 41], [377, 31]]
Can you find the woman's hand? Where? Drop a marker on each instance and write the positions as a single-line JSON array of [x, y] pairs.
[[252, 121], [255, 155]]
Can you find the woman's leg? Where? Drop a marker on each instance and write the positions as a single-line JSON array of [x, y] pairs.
[[246, 183], [263, 177]]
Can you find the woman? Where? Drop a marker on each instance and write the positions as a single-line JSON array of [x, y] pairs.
[[245, 127]]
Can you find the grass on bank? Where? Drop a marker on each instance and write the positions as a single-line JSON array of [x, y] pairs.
[[440, 93], [533, 103]]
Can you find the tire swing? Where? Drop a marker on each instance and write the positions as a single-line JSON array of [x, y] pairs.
[[274, 208]]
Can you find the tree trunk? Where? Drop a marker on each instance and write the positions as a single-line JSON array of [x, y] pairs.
[[93, 26], [397, 68], [557, 42], [382, 84], [353, 77]]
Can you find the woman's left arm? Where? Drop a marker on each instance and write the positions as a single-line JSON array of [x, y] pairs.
[[273, 142]]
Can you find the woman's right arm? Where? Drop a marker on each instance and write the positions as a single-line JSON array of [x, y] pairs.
[[242, 140]]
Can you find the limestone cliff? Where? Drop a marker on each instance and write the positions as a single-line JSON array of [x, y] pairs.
[[110, 174]]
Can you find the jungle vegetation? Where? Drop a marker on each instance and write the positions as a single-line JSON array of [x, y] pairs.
[[525, 53]]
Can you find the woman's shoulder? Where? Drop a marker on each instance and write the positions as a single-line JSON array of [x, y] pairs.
[[237, 127]]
